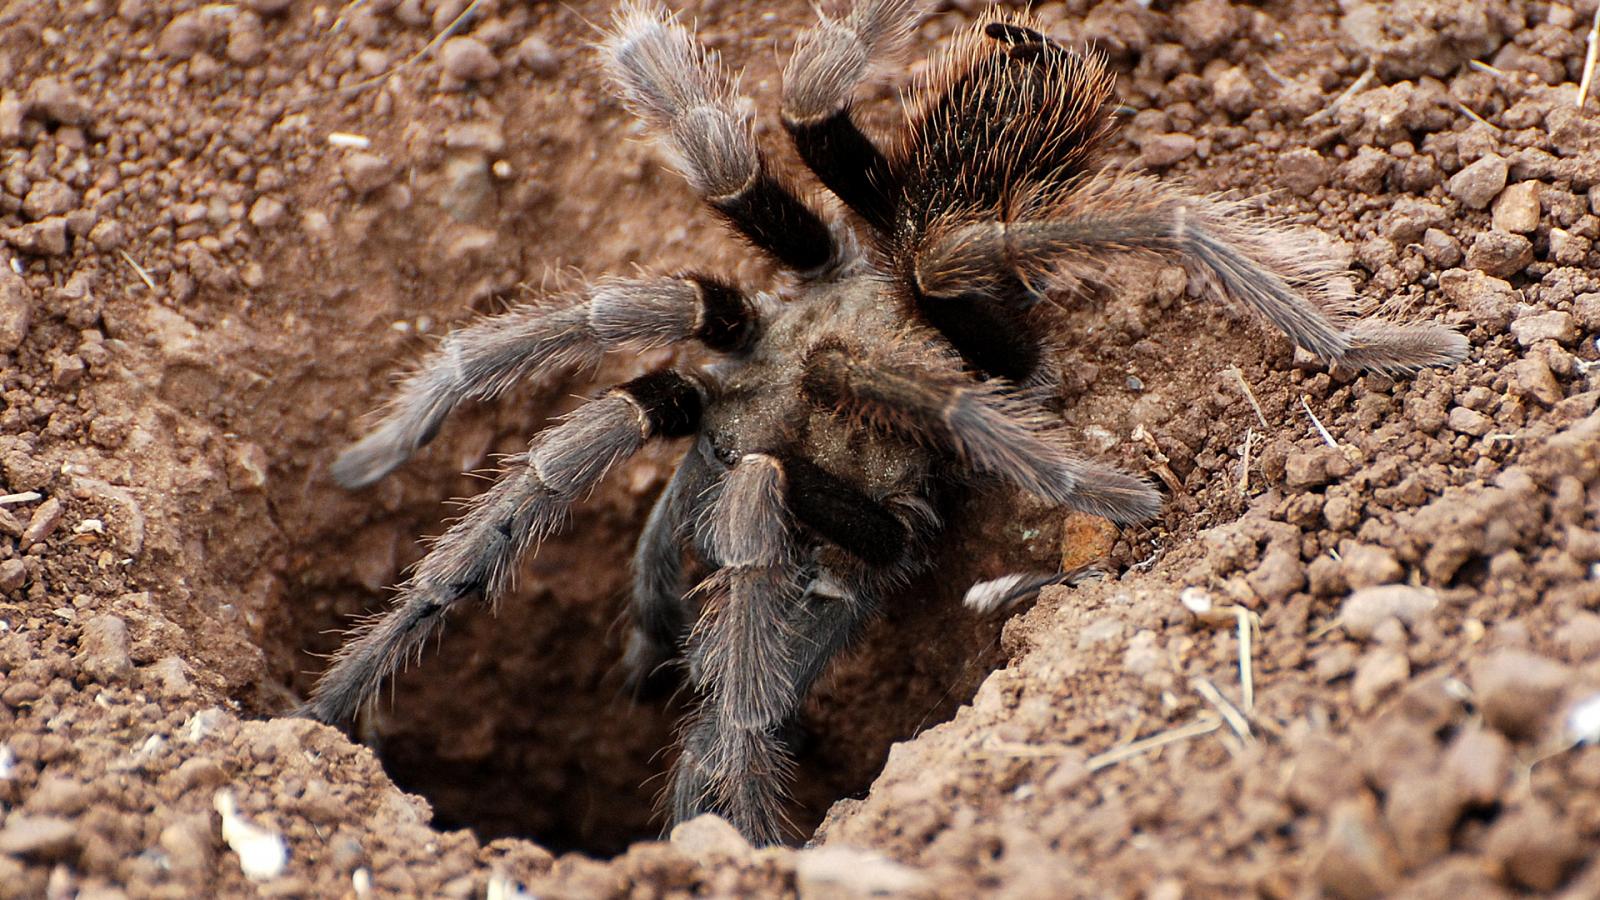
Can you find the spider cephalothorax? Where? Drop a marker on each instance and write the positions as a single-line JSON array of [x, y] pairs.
[[905, 358]]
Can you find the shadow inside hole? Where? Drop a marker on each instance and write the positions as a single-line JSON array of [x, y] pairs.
[[516, 724]]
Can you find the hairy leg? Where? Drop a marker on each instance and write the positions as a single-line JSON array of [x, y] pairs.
[[485, 358], [661, 617], [1277, 273], [995, 432], [741, 769], [829, 60], [477, 556], [767, 632], [673, 83]]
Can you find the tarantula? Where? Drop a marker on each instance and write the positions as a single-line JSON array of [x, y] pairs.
[[906, 355]]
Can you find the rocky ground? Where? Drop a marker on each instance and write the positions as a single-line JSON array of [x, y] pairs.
[[224, 227]]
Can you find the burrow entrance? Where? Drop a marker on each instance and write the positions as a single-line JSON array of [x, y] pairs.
[[517, 724]]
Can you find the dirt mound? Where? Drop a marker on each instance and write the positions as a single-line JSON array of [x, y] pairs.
[[224, 227]]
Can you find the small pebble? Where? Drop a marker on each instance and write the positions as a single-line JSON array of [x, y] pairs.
[[1469, 421], [1478, 764], [1162, 150], [58, 102], [1499, 253], [1518, 690], [1536, 847], [1489, 302], [1315, 468], [1303, 170], [48, 197], [103, 649], [537, 56], [1531, 377], [1366, 565], [44, 521], [1358, 859], [1380, 671], [37, 837], [13, 575], [267, 212], [366, 172], [1568, 249], [1554, 325], [709, 835], [1517, 208], [1364, 610], [183, 36], [16, 310], [1441, 249], [1479, 183], [468, 59]]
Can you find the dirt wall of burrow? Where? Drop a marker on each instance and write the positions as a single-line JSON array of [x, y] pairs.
[[225, 228]]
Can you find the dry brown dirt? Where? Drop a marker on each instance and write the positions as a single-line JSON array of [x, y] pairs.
[[202, 291]]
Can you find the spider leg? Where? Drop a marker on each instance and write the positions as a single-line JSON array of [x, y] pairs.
[[829, 60], [1278, 274], [765, 636], [740, 657], [485, 358], [993, 431], [672, 82], [660, 614], [477, 555]]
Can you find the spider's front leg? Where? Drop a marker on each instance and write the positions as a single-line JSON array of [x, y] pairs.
[[829, 61], [668, 79], [477, 555], [485, 358], [768, 630]]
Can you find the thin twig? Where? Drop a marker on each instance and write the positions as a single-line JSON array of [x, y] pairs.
[[1244, 462], [381, 77], [23, 497], [1204, 724], [1355, 87], [1474, 116], [1249, 395], [1589, 60], [1326, 437], [139, 270], [1229, 712], [1248, 623], [1482, 66]]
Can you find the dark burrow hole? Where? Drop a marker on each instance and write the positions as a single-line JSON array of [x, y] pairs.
[[517, 724]]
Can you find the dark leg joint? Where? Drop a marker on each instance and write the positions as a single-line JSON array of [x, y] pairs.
[[849, 165], [727, 321], [775, 220], [991, 336], [840, 513], [671, 403]]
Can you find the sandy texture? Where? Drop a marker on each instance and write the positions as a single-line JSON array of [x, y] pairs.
[[203, 289]]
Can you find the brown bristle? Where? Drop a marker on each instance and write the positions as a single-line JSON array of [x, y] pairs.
[[1002, 114]]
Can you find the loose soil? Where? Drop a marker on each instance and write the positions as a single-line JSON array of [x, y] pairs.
[[224, 227]]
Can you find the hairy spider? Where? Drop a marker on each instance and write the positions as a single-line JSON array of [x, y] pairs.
[[906, 355]]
